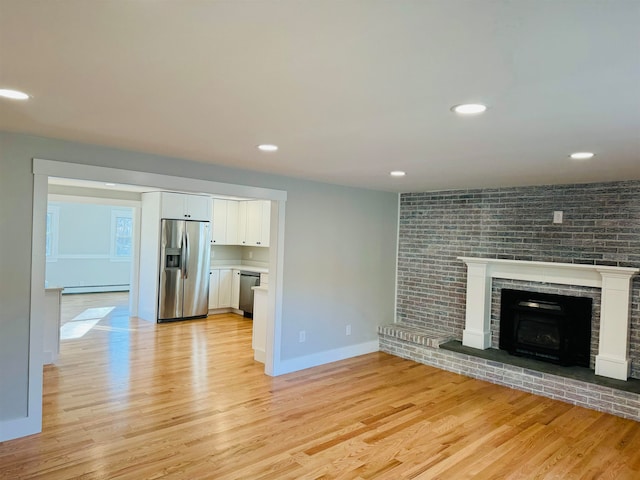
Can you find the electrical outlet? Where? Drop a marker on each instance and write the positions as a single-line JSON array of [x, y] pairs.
[[250, 254], [302, 336], [348, 330], [557, 216]]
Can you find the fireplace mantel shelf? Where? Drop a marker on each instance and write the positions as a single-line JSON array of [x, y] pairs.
[[612, 359], [551, 272]]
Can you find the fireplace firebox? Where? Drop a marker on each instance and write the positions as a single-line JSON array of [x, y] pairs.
[[548, 327]]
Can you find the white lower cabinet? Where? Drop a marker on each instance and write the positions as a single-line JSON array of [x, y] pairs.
[[214, 283], [224, 290], [235, 289], [220, 288], [259, 337]]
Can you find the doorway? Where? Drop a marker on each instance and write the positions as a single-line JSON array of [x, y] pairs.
[[45, 168], [90, 252]]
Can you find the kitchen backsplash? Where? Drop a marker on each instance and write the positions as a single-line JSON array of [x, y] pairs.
[[222, 253], [255, 254], [238, 255]]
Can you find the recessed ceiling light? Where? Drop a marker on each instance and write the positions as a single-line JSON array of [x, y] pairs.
[[266, 147], [582, 155], [397, 173], [469, 108], [110, 184], [13, 94]]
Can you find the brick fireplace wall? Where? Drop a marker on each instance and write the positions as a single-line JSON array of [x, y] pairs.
[[601, 226]]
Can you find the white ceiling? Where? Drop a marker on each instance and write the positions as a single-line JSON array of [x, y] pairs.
[[349, 90]]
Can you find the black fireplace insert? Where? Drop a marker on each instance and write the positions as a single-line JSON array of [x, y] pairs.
[[549, 327]]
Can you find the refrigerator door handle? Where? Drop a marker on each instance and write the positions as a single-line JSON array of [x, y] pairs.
[[187, 255]]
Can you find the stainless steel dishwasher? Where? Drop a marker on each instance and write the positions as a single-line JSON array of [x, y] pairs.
[[247, 280]]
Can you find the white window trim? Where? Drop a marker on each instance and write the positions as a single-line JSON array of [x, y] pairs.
[[55, 229], [115, 213]]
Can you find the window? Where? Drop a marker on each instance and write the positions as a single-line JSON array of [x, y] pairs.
[[51, 238], [121, 235]]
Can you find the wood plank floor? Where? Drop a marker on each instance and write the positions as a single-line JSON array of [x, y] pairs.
[[78, 304], [135, 400]]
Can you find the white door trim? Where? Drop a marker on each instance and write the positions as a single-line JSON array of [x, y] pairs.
[[42, 169]]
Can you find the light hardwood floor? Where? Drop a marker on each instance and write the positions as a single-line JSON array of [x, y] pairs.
[[77, 304], [135, 400]]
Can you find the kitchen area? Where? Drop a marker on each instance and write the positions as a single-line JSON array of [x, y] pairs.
[[201, 256], [198, 255]]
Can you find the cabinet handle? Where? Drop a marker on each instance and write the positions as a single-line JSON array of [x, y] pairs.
[[257, 243]]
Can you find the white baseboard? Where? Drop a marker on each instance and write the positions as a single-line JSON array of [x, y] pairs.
[[96, 289], [214, 311], [321, 358], [20, 427], [259, 356]]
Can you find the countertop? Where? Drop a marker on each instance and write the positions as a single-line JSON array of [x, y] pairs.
[[248, 268]]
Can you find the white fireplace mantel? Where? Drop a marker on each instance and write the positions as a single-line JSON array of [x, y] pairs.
[[612, 359]]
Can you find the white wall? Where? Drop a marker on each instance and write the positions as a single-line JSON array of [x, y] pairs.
[[339, 254], [83, 260]]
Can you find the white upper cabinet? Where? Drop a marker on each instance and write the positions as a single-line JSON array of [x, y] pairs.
[[172, 205], [265, 230], [254, 217], [254, 222], [232, 222], [219, 222], [225, 222], [242, 223], [181, 206]]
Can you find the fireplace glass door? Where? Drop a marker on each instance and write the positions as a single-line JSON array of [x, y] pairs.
[[553, 328], [538, 332]]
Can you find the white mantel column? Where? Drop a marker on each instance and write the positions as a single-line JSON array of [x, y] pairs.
[[477, 331], [613, 349]]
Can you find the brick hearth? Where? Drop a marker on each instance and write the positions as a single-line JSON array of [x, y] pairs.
[[577, 392]]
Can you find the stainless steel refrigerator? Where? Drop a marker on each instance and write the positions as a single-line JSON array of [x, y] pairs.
[[184, 270]]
